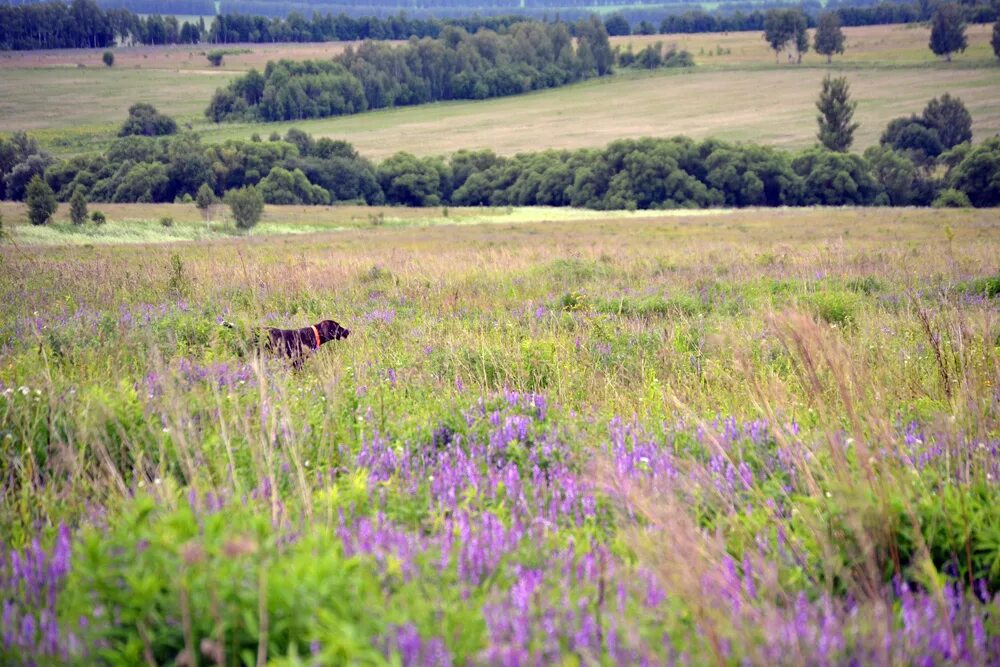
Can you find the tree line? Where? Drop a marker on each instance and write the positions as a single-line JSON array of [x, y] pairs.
[[456, 65], [83, 24], [920, 160]]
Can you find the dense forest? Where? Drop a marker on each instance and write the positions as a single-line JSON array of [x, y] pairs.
[[920, 160], [84, 24], [457, 65]]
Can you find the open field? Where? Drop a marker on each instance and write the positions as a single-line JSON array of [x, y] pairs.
[[891, 72], [731, 437], [726, 104]]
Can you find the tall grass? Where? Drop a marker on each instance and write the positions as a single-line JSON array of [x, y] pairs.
[[605, 442]]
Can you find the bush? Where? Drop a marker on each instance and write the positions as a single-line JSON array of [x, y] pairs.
[[41, 201], [215, 57], [108, 58], [952, 198], [166, 222], [834, 307], [98, 218], [78, 206], [247, 206], [144, 120]]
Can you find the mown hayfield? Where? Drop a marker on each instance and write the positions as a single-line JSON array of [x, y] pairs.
[[741, 95], [729, 437]]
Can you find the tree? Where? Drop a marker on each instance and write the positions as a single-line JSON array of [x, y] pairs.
[[950, 118], [948, 31], [836, 129], [801, 36], [995, 41], [215, 57], [205, 199], [617, 25], [978, 175], [41, 201], [829, 37], [247, 206], [143, 119], [784, 26], [108, 58], [78, 206], [775, 32]]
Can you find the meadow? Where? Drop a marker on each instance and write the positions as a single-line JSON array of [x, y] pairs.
[[73, 109], [720, 437]]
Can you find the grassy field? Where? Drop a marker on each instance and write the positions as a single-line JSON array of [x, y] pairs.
[[891, 72], [567, 438]]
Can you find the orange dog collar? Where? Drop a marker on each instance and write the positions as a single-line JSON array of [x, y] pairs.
[[316, 331]]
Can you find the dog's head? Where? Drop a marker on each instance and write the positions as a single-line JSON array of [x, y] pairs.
[[330, 330]]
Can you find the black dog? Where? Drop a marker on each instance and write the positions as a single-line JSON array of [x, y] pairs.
[[294, 342]]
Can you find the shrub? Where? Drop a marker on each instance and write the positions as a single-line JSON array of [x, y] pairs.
[[952, 198], [98, 218], [144, 120], [834, 307], [41, 201], [215, 57], [166, 222], [247, 206], [108, 58], [78, 206]]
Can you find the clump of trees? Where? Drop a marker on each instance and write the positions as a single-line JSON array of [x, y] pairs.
[[944, 124], [632, 174], [653, 56], [785, 28], [458, 65], [144, 120]]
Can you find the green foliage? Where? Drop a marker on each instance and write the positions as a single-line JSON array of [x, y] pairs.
[[951, 198], [995, 39], [786, 26], [144, 120], [247, 205], [949, 117], [897, 177], [836, 114], [978, 174], [205, 199], [215, 57], [98, 218], [78, 206], [222, 569], [948, 31], [829, 38], [835, 179], [108, 58], [166, 221], [835, 307], [291, 187], [41, 201], [529, 56], [988, 286]]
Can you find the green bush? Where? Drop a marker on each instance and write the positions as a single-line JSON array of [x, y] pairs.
[[98, 218], [952, 198], [835, 307]]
